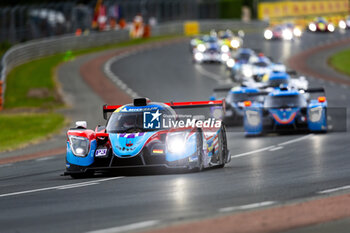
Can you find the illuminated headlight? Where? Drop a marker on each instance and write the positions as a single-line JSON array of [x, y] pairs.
[[230, 63], [330, 27], [224, 57], [315, 114], [225, 49], [79, 145], [342, 24], [253, 117], [198, 56], [312, 27], [268, 34], [176, 142], [287, 34], [201, 48], [235, 43], [247, 72], [217, 113], [297, 32]]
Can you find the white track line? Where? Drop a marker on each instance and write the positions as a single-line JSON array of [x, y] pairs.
[[246, 207], [81, 184], [296, 140], [252, 152], [276, 148], [130, 227], [334, 189], [273, 147], [107, 70]]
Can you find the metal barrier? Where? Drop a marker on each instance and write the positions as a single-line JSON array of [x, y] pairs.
[[32, 50]]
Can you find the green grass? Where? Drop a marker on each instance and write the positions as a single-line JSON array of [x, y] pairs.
[[39, 74], [341, 61], [20, 129], [17, 130]]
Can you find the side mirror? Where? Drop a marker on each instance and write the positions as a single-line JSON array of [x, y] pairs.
[[81, 124]]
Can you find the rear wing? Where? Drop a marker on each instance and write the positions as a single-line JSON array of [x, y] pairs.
[[315, 90], [109, 108], [175, 105], [197, 104]]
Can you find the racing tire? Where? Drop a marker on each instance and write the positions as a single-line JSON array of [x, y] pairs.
[[222, 147], [200, 165]]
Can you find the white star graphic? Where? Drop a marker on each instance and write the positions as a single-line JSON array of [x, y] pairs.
[[155, 115]]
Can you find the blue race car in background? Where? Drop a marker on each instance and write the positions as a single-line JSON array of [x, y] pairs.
[[286, 110], [241, 57], [235, 98], [211, 51], [144, 134]]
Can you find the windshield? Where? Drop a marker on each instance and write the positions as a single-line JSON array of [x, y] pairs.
[[241, 97], [209, 39], [131, 122], [277, 82], [243, 56], [261, 64], [285, 101]]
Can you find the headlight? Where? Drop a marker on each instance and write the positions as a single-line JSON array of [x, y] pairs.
[[198, 56], [225, 49], [201, 48], [268, 34], [224, 57], [230, 63], [253, 117], [79, 145], [176, 142], [297, 32], [217, 113], [330, 27], [235, 43], [312, 27], [342, 24], [315, 114], [247, 72], [287, 34]]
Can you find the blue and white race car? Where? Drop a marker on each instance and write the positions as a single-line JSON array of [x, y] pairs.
[[235, 98], [240, 58], [211, 51], [147, 134], [286, 110]]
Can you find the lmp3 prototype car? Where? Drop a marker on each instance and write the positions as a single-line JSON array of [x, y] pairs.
[[147, 134], [211, 51], [286, 110], [320, 24], [235, 98]]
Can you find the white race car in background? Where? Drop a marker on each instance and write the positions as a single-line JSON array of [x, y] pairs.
[[257, 67], [211, 51]]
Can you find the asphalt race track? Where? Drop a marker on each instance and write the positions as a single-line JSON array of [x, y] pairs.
[[270, 170]]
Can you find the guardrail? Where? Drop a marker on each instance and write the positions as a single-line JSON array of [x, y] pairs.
[[24, 52]]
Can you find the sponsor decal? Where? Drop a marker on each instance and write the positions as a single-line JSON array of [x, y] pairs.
[[101, 152], [155, 120]]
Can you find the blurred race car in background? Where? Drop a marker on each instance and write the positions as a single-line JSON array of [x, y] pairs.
[[286, 31], [135, 136], [228, 38], [286, 110], [241, 57], [211, 51], [320, 24], [195, 42], [344, 23], [234, 98], [257, 67]]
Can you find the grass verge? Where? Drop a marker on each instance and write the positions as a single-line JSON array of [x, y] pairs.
[[341, 61], [32, 85], [18, 130]]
